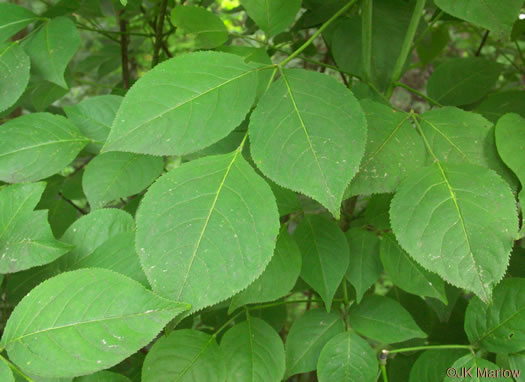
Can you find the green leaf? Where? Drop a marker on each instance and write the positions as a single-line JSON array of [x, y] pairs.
[[384, 320], [272, 16], [390, 20], [307, 141], [377, 211], [209, 217], [324, 251], [84, 321], [364, 267], [103, 376], [91, 231], [207, 27], [14, 73], [471, 368], [38, 145], [5, 372], [460, 81], [26, 239], [13, 18], [185, 356], [124, 2], [185, 104], [253, 352], [517, 362], [458, 221], [115, 175], [307, 337], [497, 104], [433, 44], [493, 15], [51, 49], [347, 358], [393, 150], [408, 275], [510, 141], [431, 365], [499, 327], [116, 254], [94, 117], [278, 278]]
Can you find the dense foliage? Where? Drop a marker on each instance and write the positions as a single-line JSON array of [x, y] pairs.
[[262, 190]]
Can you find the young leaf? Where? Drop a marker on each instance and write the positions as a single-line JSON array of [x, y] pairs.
[[26, 239], [307, 337], [13, 18], [493, 15], [253, 352], [84, 321], [103, 376], [278, 278], [517, 362], [460, 81], [510, 140], [51, 49], [324, 251], [431, 365], [393, 150], [272, 16], [408, 275], [186, 356], [38, 145], [384, 320], [185, 104], [498, 104], [5, 372], [208, 28], [311, 142], [468, 368], [91, 231], [94, 117], [14, 73], [209, 217], [116, 254], [347, 358], [458, 221], [499, 327], [364, 266], [115, 175]]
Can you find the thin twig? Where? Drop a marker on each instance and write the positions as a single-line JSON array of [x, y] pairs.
[[483, 40], [82, 211], [124, 42], [159, 33]]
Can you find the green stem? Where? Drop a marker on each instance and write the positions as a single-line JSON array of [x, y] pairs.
[[407, 44], [16, 369], [418, 93], [428, 347], [383, 372], [317, 33], [366, 34]]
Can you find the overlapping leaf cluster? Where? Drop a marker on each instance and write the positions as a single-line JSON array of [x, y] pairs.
[[272, 218]]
